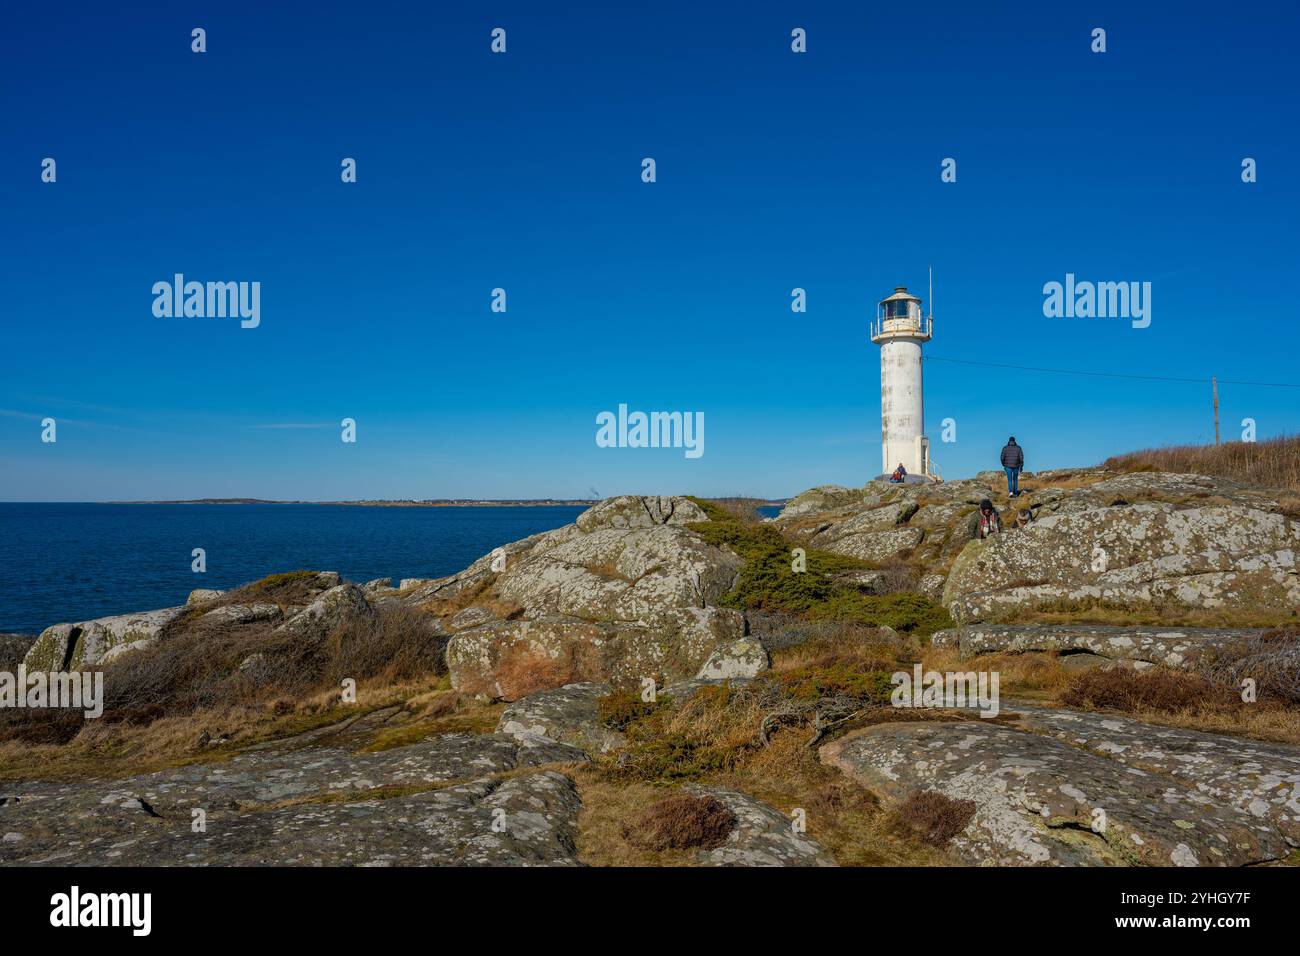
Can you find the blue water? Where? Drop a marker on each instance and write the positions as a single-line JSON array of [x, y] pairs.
[[73, 562]]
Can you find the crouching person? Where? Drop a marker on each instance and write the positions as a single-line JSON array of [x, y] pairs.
[[989, 521]]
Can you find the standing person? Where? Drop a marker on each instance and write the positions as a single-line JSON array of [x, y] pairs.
[[1013, 459], [900, 473]]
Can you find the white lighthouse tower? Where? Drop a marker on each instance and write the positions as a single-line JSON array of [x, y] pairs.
[[900, 330]]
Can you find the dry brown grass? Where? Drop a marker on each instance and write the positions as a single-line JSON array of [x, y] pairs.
[[524, 668], [1272, 463], [1158, 689], [1092, 611], [1035, 676]]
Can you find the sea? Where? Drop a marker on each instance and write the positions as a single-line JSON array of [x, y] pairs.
[[74, 562]]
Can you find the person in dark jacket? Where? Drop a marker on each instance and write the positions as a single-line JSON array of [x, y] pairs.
[[900, 474], [1013, 459]]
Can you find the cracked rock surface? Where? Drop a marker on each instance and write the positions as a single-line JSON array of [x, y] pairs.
[[1067, 788], [311, 806]]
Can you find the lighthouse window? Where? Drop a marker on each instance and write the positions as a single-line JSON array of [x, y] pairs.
[[896, 310]]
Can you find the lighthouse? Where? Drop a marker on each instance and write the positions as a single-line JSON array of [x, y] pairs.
[[900, 330]]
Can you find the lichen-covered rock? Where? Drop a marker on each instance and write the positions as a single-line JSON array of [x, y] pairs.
[[638, 511], [1170, 646], [310, 806], [743, 658], [90, 643], [820, 499], [569, 714], [237, 614], [52, 648], [626, 593], [509, 659], [203, 595], [1088, 796], [338, 605], [1157, 556], [762, 836], [877, 546], [1261, 779]]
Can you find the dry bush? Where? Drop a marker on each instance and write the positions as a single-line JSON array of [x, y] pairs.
[[681, 822], [1270, 659], [210, 665], [1157, 689], [1272, 463], [933, 818]]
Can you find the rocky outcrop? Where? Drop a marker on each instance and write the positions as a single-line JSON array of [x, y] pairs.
[[1150, 543], [1088, 789], [1168, 646], [626, 593], [1163, 557], [340, 604]]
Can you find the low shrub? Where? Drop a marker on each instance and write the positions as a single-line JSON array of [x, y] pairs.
[[681, 822], [933, 818]]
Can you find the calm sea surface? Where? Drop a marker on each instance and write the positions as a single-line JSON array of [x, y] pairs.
[[73, 562]]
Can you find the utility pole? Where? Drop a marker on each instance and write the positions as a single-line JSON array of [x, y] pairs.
[[1214, 384]]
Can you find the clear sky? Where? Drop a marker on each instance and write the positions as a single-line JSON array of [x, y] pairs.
[[775, 170]]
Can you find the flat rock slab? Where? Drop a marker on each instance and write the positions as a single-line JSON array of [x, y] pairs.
[[1043, 800], [83, 822], [569, 714], [1258, 778], [526, 820], [1170, 646], [763, 836]]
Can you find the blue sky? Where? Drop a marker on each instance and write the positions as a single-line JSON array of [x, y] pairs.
[[522, 171]]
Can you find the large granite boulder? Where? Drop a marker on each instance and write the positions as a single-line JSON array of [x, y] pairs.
[[341, 604], [627, 592], [94, 643]]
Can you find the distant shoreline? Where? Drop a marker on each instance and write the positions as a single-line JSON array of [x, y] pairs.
[[431, 503]]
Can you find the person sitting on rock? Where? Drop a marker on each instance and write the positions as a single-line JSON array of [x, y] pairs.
[[899, 473], [990, 522]]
